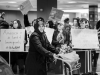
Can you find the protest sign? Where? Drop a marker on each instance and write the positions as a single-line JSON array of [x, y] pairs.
[[25, 7], [55, 14], [49, 33], [12, 39], [85, 38]]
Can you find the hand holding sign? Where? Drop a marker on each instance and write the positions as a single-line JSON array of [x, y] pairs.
[[25, 7], [56, 14]]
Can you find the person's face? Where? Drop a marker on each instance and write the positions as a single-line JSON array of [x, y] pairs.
[[15, 25], [75, 22], [59, 27], [67, 23], [40, 22], [41, 28]]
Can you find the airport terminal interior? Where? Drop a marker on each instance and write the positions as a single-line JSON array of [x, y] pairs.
[[71, 26]]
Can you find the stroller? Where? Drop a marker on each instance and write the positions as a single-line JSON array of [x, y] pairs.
[[5, 69]]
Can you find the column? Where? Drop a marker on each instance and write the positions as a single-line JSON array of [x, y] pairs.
[[93, 15], [44, 8]]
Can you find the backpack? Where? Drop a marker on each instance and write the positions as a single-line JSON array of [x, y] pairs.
[[5, 69]]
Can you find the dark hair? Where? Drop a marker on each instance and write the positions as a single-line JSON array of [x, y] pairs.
[[98, 25], [19, 24], [78, 21], [40, 19], [33, 21], [4, 24], [56, 26], [66, 20], [37, 24]]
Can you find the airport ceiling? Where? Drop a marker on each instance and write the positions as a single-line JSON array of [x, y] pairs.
[[61, 4]]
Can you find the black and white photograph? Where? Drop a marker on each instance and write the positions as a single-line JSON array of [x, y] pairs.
[[49, 37]]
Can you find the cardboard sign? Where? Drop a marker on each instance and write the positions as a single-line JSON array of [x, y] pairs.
[[12, 39], [85, 38], [55, 14], [25, 7], [49, 33]]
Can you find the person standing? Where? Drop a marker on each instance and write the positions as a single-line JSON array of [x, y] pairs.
[[40, 50]]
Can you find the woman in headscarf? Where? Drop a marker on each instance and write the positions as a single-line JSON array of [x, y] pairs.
[[39, 50]]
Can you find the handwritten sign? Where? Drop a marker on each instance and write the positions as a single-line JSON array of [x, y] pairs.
[[49, 33], [85, 38], [25, 7], [12, 39], [55, 14]]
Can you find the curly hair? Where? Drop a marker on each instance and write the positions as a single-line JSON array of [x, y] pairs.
[[19, 24]]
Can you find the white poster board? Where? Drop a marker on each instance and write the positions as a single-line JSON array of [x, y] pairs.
[[12, 39], [25, 7], [85, 38], [49, 33]]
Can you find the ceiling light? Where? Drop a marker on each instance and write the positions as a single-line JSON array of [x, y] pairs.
[[72, 2], [12, 2], [18, 8]]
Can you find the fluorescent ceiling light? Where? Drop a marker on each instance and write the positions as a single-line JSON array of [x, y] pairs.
[[80, 10], [72, 2], [12, 2], [18, 8], [77, 10]]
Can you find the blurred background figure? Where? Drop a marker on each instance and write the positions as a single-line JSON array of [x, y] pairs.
[[76, 23], [4, 24]]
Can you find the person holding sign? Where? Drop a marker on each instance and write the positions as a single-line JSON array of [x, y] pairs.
[[17, 25], [40, 50]]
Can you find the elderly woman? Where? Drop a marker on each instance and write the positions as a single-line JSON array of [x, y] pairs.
[[39, 50]]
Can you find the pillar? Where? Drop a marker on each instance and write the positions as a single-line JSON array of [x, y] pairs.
[[44, 8], [93, 15]]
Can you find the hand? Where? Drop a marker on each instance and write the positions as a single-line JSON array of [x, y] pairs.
[[61, 41], [55, 56]]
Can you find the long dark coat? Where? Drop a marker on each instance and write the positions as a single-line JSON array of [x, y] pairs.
[[39, 50]]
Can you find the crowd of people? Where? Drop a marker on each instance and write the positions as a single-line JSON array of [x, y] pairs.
[[40, 50]]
